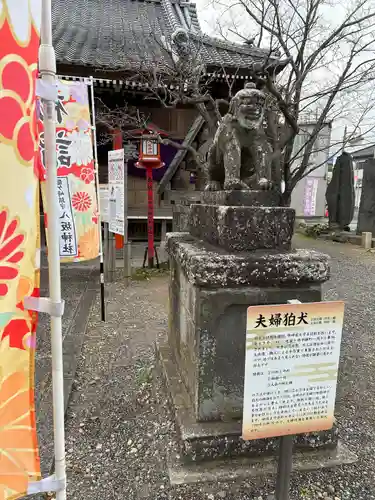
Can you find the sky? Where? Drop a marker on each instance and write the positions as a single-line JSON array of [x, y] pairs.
[[209, 16], [205, 14]]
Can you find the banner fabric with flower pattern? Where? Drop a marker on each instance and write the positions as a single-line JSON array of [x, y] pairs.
[[19, 243], [78, 208]]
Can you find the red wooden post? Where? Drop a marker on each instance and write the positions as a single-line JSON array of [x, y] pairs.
[[150, 217], [149, 158]]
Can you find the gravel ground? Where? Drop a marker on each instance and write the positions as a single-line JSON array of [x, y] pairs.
[[119, 429], [74, 282]]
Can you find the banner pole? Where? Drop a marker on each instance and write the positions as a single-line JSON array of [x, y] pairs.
[[93, 128], [47, 69]]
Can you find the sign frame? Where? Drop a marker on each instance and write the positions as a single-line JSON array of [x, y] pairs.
[[293, 361]]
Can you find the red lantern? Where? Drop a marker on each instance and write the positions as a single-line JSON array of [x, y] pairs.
[[149, 153]]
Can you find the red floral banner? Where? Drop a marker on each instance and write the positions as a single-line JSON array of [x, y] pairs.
[[78, 217], [19, 244]]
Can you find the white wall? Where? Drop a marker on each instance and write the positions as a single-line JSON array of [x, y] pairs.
[[308, 197]]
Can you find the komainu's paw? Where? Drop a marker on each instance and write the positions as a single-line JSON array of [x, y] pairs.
[[251, 182], [235, 184], [265, 184], [213, 186]]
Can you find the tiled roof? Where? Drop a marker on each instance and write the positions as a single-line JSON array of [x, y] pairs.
[[364, 152], [115, 35]]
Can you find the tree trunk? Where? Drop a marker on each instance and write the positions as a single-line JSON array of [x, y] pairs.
[[286, 197]]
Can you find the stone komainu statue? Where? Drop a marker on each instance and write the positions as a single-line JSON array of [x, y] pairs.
[[239, 157]]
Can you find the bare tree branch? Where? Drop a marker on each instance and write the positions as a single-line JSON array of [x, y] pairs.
[[331, 70], [332, 67]]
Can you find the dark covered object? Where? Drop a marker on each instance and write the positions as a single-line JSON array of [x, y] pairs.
[[340, 193], [366, 216]]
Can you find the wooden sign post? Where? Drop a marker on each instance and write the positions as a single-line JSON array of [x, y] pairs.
[[291, 365]]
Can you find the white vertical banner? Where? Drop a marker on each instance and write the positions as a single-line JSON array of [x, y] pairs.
[[77, 162], [116, 176], [310, 194]]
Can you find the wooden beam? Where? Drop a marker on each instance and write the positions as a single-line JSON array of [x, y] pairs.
[[180, 155]]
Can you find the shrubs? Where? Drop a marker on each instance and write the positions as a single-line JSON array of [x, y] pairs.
[[316, 230]]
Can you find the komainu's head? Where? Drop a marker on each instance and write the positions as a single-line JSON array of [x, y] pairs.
[[247, 106]]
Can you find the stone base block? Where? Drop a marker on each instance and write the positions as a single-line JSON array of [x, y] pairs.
[[232, 469], [208, 308], [208, 266], [241, 229], [208, 441], [241, 198], [181, 214]]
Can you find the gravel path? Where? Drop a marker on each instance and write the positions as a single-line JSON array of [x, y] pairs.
[[119, 429], [75, 279]]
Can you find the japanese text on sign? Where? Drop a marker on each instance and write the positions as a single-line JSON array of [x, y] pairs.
[[292, 356], [104, 202], [62, 149], [116, 176], [277, 319], [68, 239]]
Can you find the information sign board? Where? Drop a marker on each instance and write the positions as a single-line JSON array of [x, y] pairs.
[[292, 358]]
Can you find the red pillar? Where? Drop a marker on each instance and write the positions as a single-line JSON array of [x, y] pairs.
[[117, 144], [150, 217]]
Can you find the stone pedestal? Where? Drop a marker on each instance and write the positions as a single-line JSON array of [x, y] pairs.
[[180, 217], [231, 258]]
